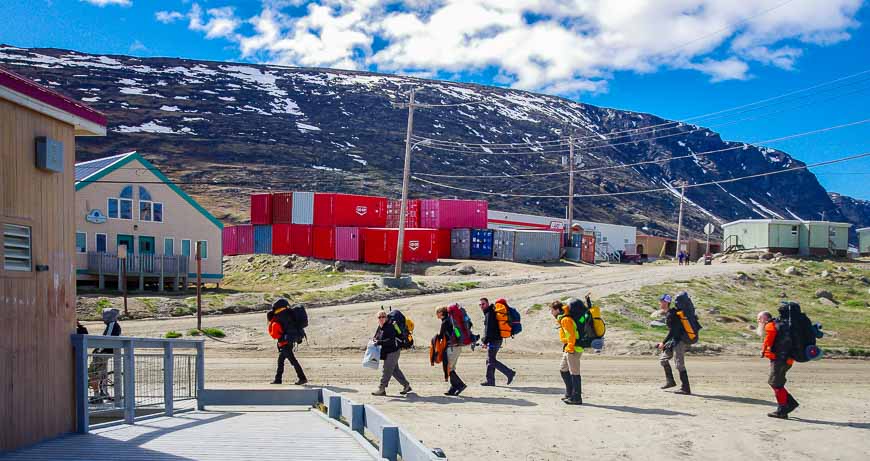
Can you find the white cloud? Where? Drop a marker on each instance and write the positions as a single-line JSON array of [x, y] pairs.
[[137, 46], [167, 17], [559, 46], [102, 3]]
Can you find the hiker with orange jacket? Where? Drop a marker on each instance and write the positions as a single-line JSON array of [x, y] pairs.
[[569, 367], [494, 332], [780, 364], [285, 345]]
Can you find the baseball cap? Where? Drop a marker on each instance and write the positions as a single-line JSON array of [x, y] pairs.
[[666, 298]]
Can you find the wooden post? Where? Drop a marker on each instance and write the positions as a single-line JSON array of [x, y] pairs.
[[142, 268], [357, 418], [162, 260], [168, 379], [390, 442], [200, 373], [122, 280], [680, 220], [101, 284], [570, 187], [406, 177], [129, 383], [198, 286], [334, 410], [80, 348]]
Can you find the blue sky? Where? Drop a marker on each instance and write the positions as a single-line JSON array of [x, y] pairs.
[[672, 58]]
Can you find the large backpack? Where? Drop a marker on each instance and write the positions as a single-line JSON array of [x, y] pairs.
[[293, 321], [461, 323], [686, 313], [515, 321], [404, 328], [502, 316], [796, 334], [599, 328]]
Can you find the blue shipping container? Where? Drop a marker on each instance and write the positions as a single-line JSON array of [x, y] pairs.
[[481, 243], [263, 239]]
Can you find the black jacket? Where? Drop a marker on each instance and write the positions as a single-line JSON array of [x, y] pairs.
[[448, 333], [387, 339], [112, 329], [491, 332], [675, 327]]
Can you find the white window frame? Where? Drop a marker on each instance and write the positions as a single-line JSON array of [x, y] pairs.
[[119, 208], [794, 230], [96, 248], [86, 242], [173, 246], [151, 204], [162, 212]]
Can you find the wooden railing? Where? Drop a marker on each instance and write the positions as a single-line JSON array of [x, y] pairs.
[[145, 264]]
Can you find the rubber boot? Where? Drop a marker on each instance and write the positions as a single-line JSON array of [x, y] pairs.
[[452, 390], [685, 389], [576, 391], [459, 386], [669, 377], [791, 404], [780, 412], [569, 387]]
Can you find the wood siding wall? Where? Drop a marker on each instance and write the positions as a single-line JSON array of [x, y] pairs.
[[37, 309]]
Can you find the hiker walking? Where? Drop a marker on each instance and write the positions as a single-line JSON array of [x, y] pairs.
[[674, 347], [780, 364], [453, 336], [284, 328], [386, 337], [494, 332], [680, 257], [98, 371], [569, 334]]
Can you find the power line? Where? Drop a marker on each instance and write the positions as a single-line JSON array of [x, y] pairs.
[[662, 189], [666, 160]]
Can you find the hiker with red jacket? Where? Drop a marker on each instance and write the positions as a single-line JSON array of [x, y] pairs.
[[674, 346], [452, 352], [780, 364], [569, 367], [287, 339], [494, 332]]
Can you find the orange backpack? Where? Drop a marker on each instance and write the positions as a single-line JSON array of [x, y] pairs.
[[501, 315]]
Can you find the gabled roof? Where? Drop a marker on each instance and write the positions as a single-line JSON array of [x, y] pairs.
[[23, 91], [91, 171]]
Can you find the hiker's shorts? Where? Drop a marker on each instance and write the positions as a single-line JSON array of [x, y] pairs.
[[453, 353], [676, 352], [570, 363], [777, 373]]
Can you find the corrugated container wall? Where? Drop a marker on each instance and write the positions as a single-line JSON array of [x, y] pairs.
[[503, 244], [263, 239], [481, 243], [246, 239], [442, 242], [537, 246], [460, 243], [412, 214], [348, 242], [261, 208], [301, 239], [303, 208], [230, 240], [453, 214], [282, 207], [380, 245], [324, 242], [349, 210], [281, 244]]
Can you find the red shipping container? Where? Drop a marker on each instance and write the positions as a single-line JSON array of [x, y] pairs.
[[246, 239], [442, 243], [324, 242], [261, 208], [412, 214], [282, 207], [281, 239], [348, 243], [453, 214], [301, 240], [349, 210], [380, 245], [230, 241]]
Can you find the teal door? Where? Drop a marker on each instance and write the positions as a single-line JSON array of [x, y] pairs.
[[127, 240], [146, 245]]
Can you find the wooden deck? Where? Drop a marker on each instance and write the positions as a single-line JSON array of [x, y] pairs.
[[249, 433]]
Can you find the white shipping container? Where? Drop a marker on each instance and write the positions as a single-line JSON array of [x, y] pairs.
[[303, 207]]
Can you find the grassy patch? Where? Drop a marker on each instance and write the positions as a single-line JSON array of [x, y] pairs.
[[216, 332], [463, 286], [172, 335], [150, 304], [275, 281], [102, 305], [536, 307]]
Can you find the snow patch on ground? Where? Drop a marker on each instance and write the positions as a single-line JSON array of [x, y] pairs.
[[304, 127], [676, 194], [152, 127], [166, 108], [138, 92], [793, 215], [93, 99], [766, 210]]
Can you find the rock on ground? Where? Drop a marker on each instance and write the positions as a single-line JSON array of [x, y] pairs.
[[824, 294]]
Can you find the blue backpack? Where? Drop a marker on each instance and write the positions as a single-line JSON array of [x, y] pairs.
[[514, 321]]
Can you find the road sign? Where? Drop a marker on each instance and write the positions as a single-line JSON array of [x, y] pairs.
[[709, 228]]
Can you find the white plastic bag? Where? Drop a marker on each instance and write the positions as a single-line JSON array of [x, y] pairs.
[[372, 356]]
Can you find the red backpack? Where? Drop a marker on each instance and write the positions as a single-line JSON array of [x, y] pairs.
[[461, 324]]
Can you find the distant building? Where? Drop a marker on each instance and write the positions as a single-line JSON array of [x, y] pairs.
[[661, 247], [38, 130], [125, 200], [817, 238], [864, 241]]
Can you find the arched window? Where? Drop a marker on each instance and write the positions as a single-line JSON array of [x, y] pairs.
[[127, 192], [144, 194]]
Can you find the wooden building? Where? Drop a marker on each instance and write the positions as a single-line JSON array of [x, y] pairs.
[[125, 200], [38, 128]]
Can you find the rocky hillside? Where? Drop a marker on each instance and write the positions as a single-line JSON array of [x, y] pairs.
[[223, 130]]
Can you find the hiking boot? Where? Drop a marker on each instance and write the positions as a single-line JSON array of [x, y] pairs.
[[780, 412], [451, 392], [791, 404], [486, 384], [277, 381], [301, 381], [406, 390], [380, 392], [669, 377], [684, 389], [566, 377], [511, 377], [459, 389]]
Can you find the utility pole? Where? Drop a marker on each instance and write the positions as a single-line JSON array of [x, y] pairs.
[[405, 179], [680, 219], [570, 186], [199, 286]]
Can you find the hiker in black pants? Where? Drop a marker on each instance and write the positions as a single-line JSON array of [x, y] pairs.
[[492, 341], [287, 339]]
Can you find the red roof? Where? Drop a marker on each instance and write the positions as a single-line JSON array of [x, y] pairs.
[[36, 91]]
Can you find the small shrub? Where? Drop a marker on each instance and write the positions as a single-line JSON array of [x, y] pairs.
[[172, 335], [102, 305], [216, 332], [193, 332], [859, 352]]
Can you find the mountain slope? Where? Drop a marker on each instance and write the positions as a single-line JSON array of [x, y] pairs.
[[223, 130]]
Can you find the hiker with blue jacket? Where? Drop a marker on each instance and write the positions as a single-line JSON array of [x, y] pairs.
[[674, 346]]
